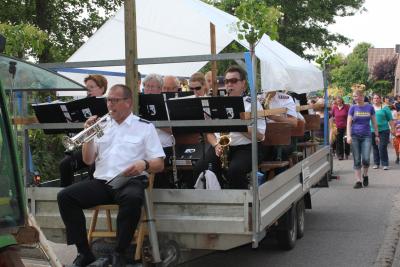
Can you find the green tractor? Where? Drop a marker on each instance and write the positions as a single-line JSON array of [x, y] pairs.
[[13, 214]]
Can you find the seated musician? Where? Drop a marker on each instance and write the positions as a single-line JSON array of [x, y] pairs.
[[153, 84], [96, 86], [240, 160], [170, 84], [274, 100], [198, 85], [130, 147]]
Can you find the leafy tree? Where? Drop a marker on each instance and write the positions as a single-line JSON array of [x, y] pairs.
[[68, 23], [383, 87], [385, 70], [23, 40], [256, 19], [354, 70], [304, 24]]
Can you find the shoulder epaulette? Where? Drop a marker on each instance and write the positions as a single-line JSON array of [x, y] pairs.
[[283, 96], [143, 120]]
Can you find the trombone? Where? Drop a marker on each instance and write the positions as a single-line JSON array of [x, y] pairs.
[[95, 130]]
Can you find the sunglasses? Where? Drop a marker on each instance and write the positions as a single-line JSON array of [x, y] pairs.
[[233, 80], [195, 88], [115, 100]]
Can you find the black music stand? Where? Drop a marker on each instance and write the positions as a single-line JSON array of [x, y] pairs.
[[81, 109], [206, 108], [203, 108], [152, 107], [55, 112]]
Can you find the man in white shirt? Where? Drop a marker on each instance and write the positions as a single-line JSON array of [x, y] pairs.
[[129, 147], [240, 146]]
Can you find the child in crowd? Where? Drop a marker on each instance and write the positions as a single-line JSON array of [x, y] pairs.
[[396, 139]]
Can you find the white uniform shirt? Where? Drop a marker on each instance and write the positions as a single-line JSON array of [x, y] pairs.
[[281, 100], [123, 144], [238, 138], [165, 138]]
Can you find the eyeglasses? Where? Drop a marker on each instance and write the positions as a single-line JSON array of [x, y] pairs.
[[195, 88], [233, 80], [115, 100]]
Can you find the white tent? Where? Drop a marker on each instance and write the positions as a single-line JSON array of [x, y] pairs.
[[168, 28]]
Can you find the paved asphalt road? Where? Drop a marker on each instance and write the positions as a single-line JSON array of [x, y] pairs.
[[346, 227]]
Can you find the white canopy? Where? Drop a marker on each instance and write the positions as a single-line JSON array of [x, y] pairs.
[[168, 28]]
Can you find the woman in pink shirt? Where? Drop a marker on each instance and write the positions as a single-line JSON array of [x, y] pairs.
[[339, 114]]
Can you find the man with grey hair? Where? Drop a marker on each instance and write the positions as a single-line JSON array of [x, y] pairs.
[[153, 83], [171, 84]]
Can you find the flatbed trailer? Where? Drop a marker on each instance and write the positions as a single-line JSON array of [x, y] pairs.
[[213, 219], [209, 220]]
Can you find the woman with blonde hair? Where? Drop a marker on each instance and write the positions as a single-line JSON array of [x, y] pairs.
[[359, 136]]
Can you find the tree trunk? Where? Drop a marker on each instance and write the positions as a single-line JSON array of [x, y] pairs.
[[43, 22]]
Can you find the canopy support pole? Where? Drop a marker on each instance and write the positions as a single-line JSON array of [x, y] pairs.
[[213, 38], [131, 70]]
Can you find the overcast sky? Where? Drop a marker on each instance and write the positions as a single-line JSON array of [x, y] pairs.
[[379, 25]]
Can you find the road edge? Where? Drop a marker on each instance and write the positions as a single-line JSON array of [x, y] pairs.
[[389, 252]]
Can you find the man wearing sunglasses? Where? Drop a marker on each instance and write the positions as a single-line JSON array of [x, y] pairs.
[[240, 145]]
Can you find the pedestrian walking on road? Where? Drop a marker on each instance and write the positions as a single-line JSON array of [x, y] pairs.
[[339, 114], [359, 136], [385, 123]]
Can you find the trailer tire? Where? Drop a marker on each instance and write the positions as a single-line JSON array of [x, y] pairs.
[[287, 236], [300, 214]]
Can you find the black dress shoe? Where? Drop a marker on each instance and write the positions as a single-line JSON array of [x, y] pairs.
[[83, 260], [118, 260]]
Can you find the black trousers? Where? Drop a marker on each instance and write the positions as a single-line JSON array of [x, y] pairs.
[[239, 158], [89, 193], [342, 147], [69, 165]]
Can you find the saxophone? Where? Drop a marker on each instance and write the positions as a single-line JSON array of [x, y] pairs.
[[224, 142]]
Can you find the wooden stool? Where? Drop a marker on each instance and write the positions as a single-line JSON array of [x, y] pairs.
[[308, 145], [140, 232], [270, 166]]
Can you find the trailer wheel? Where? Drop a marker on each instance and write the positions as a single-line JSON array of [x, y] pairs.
[[287, 236], [300, 212]]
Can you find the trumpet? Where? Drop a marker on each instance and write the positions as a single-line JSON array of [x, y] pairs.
[[224, 142], [97, 129]]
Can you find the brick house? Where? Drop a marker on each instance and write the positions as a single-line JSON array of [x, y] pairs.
[[376, 55]]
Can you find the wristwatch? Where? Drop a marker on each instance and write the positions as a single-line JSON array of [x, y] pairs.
[[147, 165]]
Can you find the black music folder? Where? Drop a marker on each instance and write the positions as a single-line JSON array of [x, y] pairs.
[[53, 112], [203, 108], [226, 107], [73, 111], [80, 110], [152, 107]]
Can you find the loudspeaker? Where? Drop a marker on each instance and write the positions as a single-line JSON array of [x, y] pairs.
[[2, 43]]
